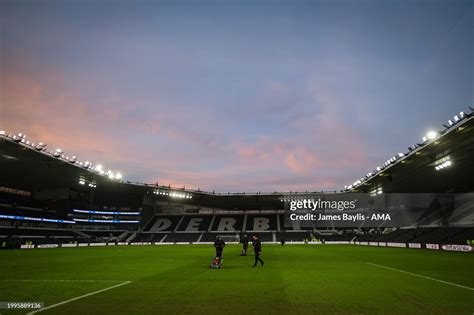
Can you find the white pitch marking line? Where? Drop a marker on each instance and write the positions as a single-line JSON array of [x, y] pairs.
[[60, 280], [421, 276], [79, 297]]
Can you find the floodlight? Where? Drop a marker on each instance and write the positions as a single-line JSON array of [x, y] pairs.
[[431, 135], [443, 163], [118, 176], [2, 132]]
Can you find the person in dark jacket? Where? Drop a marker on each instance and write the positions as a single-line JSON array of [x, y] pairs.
[[245, 245], [219, 244], [257, 248]]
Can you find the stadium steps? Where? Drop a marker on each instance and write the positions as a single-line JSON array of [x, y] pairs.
[[122, 236], [147, 225], [150, 223], [81, 234], [200, 237], [131, 237]]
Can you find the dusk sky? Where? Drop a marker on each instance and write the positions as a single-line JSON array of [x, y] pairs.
[[234, 95]]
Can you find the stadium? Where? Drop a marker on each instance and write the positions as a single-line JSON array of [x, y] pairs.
[[263, 157], [92, 237]]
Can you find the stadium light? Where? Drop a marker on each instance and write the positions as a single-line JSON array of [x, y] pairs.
[[173, 194], [118, 176], [443, 163], [376, 191], [430, 135], [456, 118], [2, 132]]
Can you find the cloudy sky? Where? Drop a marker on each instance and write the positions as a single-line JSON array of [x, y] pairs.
[[234, 95]]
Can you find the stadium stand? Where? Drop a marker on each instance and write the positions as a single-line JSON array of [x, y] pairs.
[[193, 229], [46, 197]]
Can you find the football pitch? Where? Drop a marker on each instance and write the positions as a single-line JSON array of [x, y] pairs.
[[296, 279]]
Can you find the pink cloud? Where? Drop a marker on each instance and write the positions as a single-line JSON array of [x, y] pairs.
[[197, 153]]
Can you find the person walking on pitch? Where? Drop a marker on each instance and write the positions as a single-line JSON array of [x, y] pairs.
[[257, 248], [219, 244], [245, 245]]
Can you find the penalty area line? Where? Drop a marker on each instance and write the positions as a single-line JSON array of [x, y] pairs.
[[79, 297], [421, 276]]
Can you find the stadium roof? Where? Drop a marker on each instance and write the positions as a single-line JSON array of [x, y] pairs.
[[442, 164], [423, 170]]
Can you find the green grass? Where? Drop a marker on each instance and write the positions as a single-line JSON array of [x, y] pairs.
[[296, 279]]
